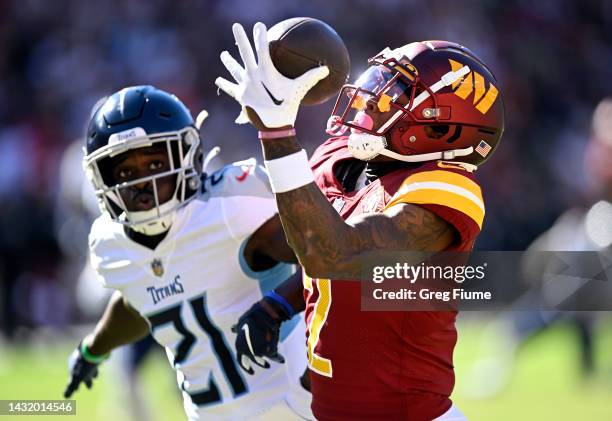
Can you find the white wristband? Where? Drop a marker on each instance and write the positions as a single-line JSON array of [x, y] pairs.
[[289, 172]]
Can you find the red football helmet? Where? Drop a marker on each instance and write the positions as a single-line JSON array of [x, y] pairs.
[[424, 101]]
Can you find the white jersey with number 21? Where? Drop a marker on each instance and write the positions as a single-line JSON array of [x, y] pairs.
[[195, 285]]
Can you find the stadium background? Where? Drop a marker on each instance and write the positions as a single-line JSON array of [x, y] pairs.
[[553, 60]]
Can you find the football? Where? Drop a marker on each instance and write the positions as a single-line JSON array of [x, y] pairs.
[[300, 44]]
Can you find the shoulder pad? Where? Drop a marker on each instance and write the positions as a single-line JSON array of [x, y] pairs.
[[107, 238], [102, 231], [242, 178], [108, 248], [454, 188]]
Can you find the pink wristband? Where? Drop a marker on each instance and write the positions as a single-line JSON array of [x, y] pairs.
[[276, 134]]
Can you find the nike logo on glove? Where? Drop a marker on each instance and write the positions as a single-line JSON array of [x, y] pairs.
[[258, 360], [274, 100], [247, 335]]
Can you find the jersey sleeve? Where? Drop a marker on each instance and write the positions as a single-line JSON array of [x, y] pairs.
[[247, 198], [449, 191]]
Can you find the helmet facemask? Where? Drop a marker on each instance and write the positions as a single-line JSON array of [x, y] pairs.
[[184, 157], [381, 89], [390, 89]]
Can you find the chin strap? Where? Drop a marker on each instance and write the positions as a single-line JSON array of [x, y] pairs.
[[365, 146], [445, 155], [157, 226]]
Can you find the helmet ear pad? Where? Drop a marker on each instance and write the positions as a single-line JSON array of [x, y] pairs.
[[399, 136], [410, 138], [406, 136]]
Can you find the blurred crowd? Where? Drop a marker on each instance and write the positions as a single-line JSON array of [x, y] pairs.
[[553, 60]]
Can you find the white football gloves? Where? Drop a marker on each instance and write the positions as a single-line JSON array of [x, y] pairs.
[[274, 97]]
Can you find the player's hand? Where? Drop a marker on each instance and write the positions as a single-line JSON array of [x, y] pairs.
[[81, 370], [259, 86], [258, 334]]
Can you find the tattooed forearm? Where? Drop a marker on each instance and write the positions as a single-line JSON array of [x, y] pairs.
[[308, 219], [315, 231], [328, 247]]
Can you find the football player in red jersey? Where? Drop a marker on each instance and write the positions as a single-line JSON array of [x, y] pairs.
[[397, 175]]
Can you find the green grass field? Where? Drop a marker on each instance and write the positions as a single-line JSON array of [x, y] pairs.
[[545, 383]]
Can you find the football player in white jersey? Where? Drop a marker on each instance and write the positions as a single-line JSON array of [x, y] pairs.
[[187, 255]]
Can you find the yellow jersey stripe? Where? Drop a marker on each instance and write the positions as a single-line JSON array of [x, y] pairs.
[[434, 185], [443, 177], [317, 363], [454, 197]]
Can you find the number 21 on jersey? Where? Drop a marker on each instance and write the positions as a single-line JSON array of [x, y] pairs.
[[188, 339], [317, 363]]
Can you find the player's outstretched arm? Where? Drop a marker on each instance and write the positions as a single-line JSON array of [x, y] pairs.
[[325, 245], [329, 247], [257, 330], [120, 324]]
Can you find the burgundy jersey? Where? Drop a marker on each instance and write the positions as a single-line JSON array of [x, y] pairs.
[[385, 365]]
